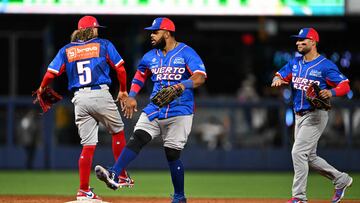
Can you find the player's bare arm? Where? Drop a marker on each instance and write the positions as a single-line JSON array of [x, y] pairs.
[[198, 79], [278, 82]]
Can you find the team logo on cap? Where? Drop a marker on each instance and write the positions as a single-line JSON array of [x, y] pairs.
[[154, 22], [301, 31]]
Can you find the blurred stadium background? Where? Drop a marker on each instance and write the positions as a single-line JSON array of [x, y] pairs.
[[241, 124]]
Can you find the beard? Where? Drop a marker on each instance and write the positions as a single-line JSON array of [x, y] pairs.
[[160, 44], [304, 51]]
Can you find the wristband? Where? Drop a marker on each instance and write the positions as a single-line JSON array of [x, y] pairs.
[[333, 92], [188, 84], [132, 94]]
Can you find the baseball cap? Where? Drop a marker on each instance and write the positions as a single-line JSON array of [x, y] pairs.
[[88, 22], [162, 24], [308, 33]]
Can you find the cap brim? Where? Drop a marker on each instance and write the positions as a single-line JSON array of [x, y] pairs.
[[101, 26], [297, 36], [150, 28]]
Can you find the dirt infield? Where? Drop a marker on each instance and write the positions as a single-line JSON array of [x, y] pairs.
[[58, 199]]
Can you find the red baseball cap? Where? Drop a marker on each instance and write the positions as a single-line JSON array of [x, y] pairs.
[[88, 22], [308, 33], [162, 24]]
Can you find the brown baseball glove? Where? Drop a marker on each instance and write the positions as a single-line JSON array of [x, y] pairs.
[[167, 95], [312, 95], [46, 98]]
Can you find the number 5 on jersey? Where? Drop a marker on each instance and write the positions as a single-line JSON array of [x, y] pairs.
[[84, 72]]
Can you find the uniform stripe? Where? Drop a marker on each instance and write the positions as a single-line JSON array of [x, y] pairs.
[[53, 70], [302, 92], [119, 63], [152, 113]]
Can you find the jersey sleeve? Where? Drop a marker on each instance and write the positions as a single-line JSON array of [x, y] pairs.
[[286, 72], [193, 62], [58, 63], [140, 77], [143, 65], [114, 55], [334, 76]]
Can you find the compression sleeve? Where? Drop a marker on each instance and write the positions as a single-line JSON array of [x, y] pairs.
[[341, 89], [138, 82], [121, 76], [48, 78]]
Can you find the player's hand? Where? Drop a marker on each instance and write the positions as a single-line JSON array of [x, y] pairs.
[[278, 82], [325, 94], [41, 89], [130, 107], [121, 98]]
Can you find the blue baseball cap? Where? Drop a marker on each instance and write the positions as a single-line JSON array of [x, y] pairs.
[[307, 33], [162, 23]]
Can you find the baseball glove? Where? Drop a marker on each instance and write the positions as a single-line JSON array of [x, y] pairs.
[[46, 98], [167, 95], [312, 95]]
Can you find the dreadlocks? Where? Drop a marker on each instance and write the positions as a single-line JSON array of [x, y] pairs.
[[83, 35]]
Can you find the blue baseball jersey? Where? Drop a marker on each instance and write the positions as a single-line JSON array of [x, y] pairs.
[[300, 74], [86, 63], [178, 65]]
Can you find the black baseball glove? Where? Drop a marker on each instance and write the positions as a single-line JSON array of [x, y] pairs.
[[312, 95], [167, 95]]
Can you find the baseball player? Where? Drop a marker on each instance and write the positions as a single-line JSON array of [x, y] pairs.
[[300, 72], [169, 63], [87, 61]]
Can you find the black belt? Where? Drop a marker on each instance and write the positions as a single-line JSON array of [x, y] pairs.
[[303, 112], [94, 87]]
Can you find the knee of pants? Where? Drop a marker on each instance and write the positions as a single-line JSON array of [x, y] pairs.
[[312, 157], [172, 154], [138, 140], [299, 155]]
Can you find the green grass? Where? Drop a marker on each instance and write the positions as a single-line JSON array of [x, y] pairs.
[[158, 184]]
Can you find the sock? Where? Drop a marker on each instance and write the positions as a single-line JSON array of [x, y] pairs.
[[127, 155], [118, 144], [177, 176], [85, 162]]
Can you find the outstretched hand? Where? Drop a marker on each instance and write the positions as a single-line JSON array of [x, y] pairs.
[[130, 107], [121, 98], [278, 82]]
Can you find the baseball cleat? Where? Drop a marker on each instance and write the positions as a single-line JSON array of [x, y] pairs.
[[178, 199], [295, 200], [87, 195], [126, 181], [339, 193], [107, 176]]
